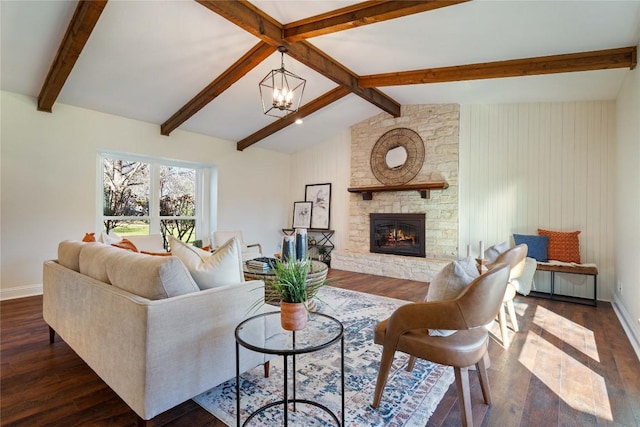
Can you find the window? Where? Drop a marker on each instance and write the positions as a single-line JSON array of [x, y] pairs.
[[148, 196]]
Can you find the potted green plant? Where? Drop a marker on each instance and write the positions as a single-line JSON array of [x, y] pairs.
[[322, 253], [290, 287]]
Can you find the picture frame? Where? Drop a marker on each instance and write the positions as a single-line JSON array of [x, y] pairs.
[[302, 214], [320, 196]]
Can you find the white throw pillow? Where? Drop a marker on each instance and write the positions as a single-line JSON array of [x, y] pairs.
[[449, 283], [148, 242], [224, 267], [109, 239], [492, 253]]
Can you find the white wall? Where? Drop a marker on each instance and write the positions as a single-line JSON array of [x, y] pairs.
[[551, 166], [322, 163], [627, 205], [48, 181]]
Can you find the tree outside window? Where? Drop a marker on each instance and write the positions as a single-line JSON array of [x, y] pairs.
[[139, 197], [177, 203]]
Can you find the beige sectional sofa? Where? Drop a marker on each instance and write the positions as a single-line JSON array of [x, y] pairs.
[[144, 326]]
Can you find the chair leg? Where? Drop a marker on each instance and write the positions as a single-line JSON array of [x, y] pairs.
[[512, 315], [383, 372], [502, 318], [411, 364], [482, 365], [266, 366], [464, 395]]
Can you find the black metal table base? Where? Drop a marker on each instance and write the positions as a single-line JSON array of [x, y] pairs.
[[294, 401]]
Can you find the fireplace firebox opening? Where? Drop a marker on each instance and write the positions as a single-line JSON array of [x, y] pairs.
[[397, 234]]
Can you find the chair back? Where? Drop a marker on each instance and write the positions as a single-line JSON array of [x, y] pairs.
[[514, 257], [480, 301]]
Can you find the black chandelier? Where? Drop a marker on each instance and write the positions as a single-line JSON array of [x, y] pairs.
[[281, 91]]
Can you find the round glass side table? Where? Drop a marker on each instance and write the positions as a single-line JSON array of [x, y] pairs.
[[322, 331]]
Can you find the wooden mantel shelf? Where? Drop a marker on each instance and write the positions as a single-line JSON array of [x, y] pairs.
[[423, 189]]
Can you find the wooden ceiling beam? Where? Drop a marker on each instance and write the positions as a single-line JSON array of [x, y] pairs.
[[305, 110], [242, 66], [365, 13], [315, 59], [80, 27], [261, 25], [625, 57]]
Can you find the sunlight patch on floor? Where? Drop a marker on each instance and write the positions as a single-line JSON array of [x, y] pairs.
[[550, 359], [577, 336]]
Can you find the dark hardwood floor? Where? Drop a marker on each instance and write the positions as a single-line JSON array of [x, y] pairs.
[[569, 365]]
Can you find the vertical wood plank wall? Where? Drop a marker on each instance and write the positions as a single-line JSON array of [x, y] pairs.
[[322, 163], [545, 165]]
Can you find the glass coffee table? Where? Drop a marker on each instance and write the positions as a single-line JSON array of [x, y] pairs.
[[322, 331]]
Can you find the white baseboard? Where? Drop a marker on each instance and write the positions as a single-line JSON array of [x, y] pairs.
[[629, 325], [20, 292]]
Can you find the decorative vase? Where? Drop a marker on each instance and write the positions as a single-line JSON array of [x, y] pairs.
[[293, 316], [288, 248], [301, 243]]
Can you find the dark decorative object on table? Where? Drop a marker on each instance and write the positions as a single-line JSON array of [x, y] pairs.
[[301, 244], [288, 247]]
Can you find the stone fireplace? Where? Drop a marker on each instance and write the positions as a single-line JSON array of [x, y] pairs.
[[438, 126], [397, 234]]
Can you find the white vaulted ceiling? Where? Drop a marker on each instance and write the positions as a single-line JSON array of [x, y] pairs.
[[146, 59]]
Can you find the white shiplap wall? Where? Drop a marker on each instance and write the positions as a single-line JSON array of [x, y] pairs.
[[530, 166], [322, 163]]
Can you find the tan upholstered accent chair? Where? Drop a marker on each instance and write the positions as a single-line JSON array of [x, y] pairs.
[[249, 251], [406, 331], [515, 258]]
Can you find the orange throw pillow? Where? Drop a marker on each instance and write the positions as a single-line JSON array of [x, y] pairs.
[[125, 244], [89, 237], [563, 246], [156, 253]]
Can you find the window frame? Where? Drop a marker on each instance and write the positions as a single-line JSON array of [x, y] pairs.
[[205, 192]]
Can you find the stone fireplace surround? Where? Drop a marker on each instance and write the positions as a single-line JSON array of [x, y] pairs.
[[438, 127]]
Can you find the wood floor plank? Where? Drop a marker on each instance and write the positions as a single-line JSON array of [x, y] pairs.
[[569, 365]]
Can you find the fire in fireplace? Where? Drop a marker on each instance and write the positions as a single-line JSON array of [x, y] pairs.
[[397, 234]]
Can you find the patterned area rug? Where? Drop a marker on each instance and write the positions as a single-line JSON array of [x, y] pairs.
[[409, 398]]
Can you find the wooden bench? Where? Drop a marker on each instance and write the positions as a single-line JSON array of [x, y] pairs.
[[571, 269]]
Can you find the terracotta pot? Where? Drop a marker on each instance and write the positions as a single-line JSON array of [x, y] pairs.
[[293, 316]]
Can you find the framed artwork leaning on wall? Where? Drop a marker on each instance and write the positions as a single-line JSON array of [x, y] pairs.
[[302, 214], [320, 196]]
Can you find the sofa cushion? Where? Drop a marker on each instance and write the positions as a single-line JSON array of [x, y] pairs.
[[536, 245], [223, 267], [89, 237], [125, 244], [493, 252], [563, 246], [93, 260], [149, 276], [449, 283], [69, 254], [452, 279], [109, 238], [148, 242]]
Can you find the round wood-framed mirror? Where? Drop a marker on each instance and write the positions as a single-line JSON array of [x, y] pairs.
[[397, 156]]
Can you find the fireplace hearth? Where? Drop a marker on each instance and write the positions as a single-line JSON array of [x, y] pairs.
[[397, 234]]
